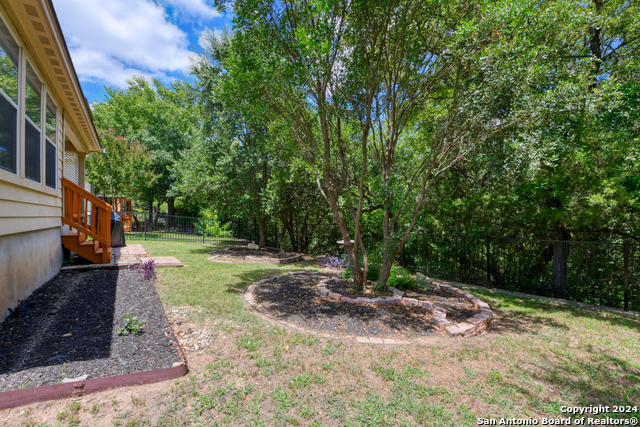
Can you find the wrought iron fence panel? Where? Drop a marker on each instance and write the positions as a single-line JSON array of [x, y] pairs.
[[176, 228], [590, 272], [633, 277]]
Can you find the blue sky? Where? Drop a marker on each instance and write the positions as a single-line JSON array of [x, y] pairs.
[[113, 40]]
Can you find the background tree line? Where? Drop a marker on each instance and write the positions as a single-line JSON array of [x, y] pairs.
[[368, 120]]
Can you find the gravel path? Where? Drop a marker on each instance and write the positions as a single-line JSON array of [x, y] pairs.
[[69, 328]]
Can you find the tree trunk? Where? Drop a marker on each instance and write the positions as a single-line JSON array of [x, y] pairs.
[[261, 231], [385, 272], [170, 209]]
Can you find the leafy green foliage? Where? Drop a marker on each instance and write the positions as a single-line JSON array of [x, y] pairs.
[[131, 325], [123, 169], [163, 119], [211, 224]]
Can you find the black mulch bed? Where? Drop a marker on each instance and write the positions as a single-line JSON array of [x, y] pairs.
[[296, 300], [244, 252], [69, 328]]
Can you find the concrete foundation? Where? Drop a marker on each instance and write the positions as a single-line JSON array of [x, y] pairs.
[[27, 261]]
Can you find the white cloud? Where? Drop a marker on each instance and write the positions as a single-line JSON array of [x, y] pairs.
[[197, 9], [113, 40]]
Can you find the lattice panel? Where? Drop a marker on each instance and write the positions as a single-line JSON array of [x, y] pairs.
[[72, 166]]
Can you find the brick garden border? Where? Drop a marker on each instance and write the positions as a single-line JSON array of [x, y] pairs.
[[291, 259], [473, 326]]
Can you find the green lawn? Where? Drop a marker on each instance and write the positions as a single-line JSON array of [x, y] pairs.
[[538, 358]]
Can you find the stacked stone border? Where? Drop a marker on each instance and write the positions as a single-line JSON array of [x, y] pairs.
[[291, 259], [473, 326], [250, 299]]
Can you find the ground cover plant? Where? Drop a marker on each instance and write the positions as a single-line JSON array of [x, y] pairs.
[[538, 357]]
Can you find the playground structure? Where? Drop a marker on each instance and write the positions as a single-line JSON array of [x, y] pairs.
[[130, 220], [123, 208]]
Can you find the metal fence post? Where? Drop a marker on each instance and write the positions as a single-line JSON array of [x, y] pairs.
[[145, 225], [203, 229], [626, 274], [488, 262]]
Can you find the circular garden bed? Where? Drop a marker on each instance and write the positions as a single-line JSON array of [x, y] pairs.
[[331, 306], [267, 255]]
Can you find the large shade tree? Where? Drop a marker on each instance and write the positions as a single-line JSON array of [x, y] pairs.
[[164, 119], [123, 169], [381, 97]]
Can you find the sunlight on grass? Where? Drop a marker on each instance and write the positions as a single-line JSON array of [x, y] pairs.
[[537, 358]]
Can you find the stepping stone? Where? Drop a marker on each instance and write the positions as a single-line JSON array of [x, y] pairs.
[[163, 261]]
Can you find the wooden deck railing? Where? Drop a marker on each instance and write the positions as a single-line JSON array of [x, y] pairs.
[[77, 214]]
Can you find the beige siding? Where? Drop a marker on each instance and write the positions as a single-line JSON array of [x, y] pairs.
[[23, 209]]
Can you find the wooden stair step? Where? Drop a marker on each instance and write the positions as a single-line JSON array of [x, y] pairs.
[[77, 236]]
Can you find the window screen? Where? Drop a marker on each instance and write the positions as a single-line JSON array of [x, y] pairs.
[[50, 165], [32, 149], [33, 103], [8, 100], [50, 120], [50, 150], [32, 141]]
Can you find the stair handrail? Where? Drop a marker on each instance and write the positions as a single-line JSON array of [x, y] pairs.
[[75, 198]]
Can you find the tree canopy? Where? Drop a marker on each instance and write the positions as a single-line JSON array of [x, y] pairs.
[[366, 120]]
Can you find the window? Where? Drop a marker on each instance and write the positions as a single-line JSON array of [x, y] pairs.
[[50, 146], [33, 112], [22, 92], [9, 60]]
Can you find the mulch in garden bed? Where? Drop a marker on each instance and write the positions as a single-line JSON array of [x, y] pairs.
[[295, 299], [245, 252], [68, 328]]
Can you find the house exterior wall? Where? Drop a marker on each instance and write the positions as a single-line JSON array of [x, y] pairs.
[[30, 212], [28, 260]]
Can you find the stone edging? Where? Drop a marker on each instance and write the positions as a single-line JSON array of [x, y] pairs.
[[250, 299], [291, 259], [476, 325]]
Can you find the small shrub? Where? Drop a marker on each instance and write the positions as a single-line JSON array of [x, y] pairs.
[[374, 273], [423, 281], [400, 282], [212, 226], [334, 261], [131, 325], [148, 270]]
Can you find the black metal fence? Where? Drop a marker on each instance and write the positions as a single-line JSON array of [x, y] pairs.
[[603, 273], [211, 229]]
